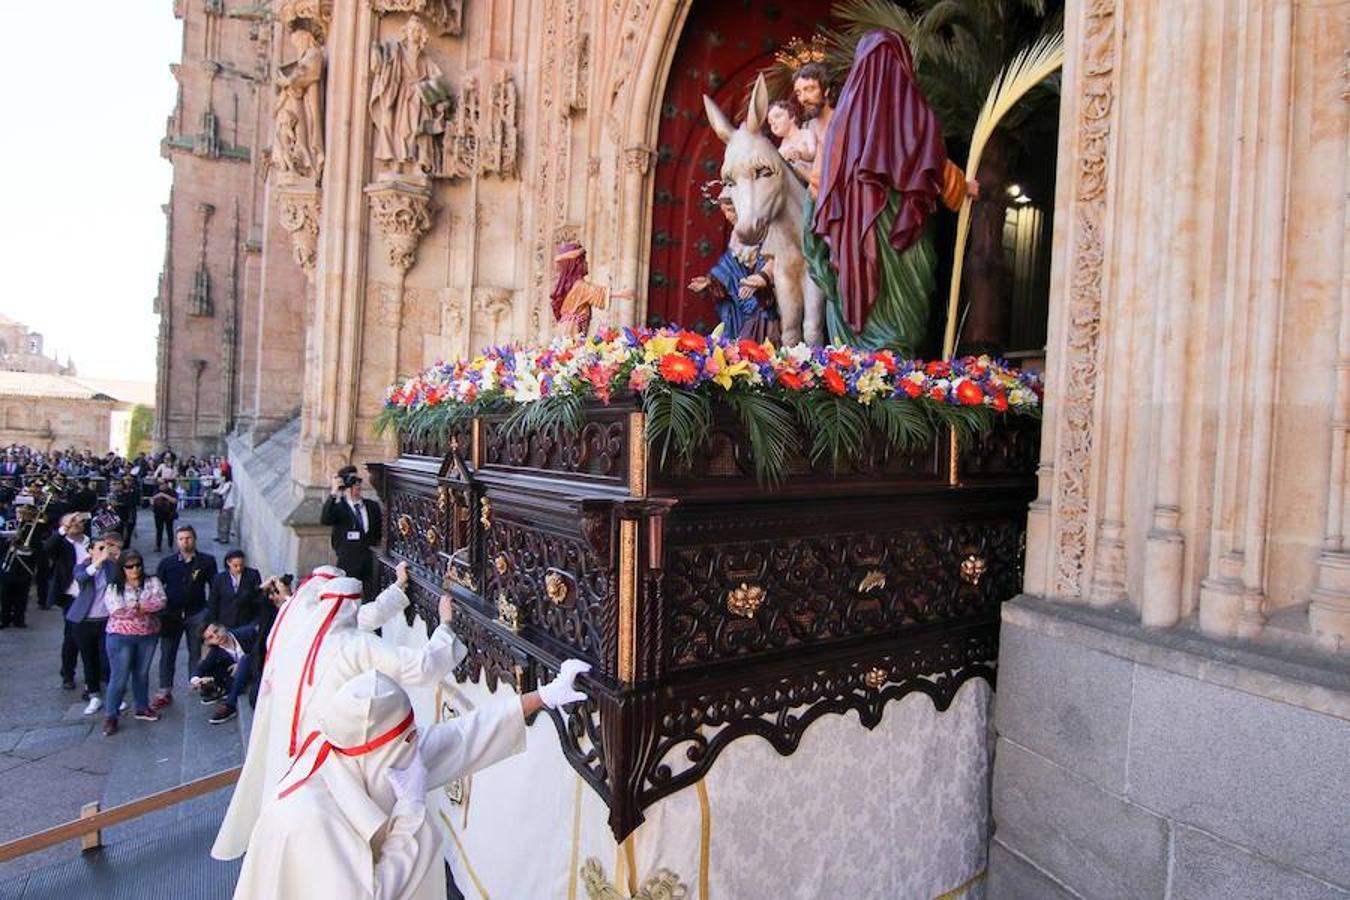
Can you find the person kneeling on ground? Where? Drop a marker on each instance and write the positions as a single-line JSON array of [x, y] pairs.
[[350, 817], [225, 671]]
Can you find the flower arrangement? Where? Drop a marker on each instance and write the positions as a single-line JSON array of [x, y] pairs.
[[834, 396]]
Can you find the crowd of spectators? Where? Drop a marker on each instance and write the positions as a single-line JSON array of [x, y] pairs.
[[68, 526]]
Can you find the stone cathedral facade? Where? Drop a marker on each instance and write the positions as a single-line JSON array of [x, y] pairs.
[[1187, 551]]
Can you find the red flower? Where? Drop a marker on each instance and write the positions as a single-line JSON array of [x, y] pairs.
[[1001, 402], [841, 358], [752, 351], [887, 361], [834, 382], [678, 369], [938, 393], [791, 379], [937, 368], [913, 388], [969, 393], [691, 343]]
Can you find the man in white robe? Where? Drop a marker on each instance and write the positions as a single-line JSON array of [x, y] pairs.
[[321, 638], [350, 818]]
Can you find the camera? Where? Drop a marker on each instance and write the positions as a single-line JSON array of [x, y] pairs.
[[347, 476]]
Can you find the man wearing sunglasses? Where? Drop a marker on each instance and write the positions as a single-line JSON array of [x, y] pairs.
[[88, 614]]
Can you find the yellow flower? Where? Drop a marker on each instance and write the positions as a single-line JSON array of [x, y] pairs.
[[726, 373], [658, 347]]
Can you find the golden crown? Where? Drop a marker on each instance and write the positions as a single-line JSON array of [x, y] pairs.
[[797, 52]]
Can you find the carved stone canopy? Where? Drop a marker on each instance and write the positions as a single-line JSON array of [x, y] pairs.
[[442, 16], [402, 214]]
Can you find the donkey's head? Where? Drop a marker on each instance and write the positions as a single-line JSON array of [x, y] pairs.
[[755, 176]]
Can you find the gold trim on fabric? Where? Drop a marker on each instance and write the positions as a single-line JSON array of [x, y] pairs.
[[473, 876], [960, 889], [632, 865], [637, 454], [572, 868], [627, 599], [704, 837]]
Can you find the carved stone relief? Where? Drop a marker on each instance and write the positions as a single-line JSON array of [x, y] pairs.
[[402, 215], [403, 106], [297, 143], [316, 14], [1083, 321], [444, 17], [502, 139], [298, 208]]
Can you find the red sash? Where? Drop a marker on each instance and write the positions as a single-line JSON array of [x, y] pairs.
[[328, 747], [311, 661]]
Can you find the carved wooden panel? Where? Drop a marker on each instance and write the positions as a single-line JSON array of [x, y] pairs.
[[1013, 448], [416, 528], [725, 600], [599, 449], [556, 583]]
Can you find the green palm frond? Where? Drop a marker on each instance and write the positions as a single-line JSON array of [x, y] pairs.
[[771, 429], [900, 421], [837, 426], [677, 420]]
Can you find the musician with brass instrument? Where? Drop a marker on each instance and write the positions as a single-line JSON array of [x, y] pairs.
[[18, 563]]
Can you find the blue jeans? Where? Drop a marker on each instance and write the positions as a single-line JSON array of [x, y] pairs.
[[130, 655]]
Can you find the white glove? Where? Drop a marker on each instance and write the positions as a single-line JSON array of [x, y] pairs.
[[410, 783], [560, 691]]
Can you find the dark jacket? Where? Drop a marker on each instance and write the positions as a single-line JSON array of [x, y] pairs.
[[186, 584], [351, 542], [235, 608], [61, 558], [79, 608]]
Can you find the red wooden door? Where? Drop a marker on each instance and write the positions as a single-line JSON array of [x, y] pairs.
[[723, 46]]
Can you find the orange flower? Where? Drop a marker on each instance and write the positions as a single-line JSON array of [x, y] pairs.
[[791, 379], [937, 393], [1001, 402], [752, 351], [937, 368], [834, 382], [969, 393], [841, 358], [911, 387], [690, 342], [678, 369], [887, 361]]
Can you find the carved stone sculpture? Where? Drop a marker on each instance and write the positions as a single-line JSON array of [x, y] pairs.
[[402, 214], [442, 16], [299, 210], [499, 149], [401, 77], [297, 148]]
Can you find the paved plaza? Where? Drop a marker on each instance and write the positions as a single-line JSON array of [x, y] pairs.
[[53, 760]]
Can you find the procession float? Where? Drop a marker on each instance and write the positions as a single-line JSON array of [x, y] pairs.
[[781, 541]]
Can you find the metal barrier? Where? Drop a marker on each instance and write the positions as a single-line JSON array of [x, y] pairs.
[[89, 826]]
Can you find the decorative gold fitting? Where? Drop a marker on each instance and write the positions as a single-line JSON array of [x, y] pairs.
[[973, 568], [486, 515], [433, 537], [507, 612], [745, 600], [872, 581], [454, 443], [405, 525], [555, 586], [502, 564], [442, 499], [875, 678]]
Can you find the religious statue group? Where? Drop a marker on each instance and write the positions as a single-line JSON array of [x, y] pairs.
[[332, 800], [827, 208]]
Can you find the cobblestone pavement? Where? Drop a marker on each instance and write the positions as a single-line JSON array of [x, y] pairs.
[[53, 760]]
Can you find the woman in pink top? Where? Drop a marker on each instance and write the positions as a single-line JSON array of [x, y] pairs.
[[133, 602]]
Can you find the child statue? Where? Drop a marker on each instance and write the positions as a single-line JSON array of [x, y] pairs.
[[796, 145]]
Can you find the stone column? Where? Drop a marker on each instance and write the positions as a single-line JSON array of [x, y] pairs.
[[333, 354], [1232, 594]]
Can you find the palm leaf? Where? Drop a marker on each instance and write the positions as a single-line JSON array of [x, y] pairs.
[[772, 431], [900, 421], [837, 425], [1028, 69], [676, 420]]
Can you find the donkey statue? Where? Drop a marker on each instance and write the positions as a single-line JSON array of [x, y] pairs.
[[770, 213]]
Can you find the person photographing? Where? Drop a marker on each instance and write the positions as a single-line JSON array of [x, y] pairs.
[[356, 524]]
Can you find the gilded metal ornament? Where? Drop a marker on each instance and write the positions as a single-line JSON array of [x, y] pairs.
[[507, 612], [405, 525], [875, 678], [973, 568], [485, 516], [433, 536], [502, 564], [873, 581], [555, 586], [745, 600], [442, 499]]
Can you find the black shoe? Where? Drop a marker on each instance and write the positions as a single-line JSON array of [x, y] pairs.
[[222, 714], [69, 684]]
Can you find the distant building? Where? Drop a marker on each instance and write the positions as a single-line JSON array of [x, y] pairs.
[[21, 350], [56, 412]]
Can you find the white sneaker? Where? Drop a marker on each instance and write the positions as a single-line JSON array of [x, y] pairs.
[[95, 704], [123, 707]]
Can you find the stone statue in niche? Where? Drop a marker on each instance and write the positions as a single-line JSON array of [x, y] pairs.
[[797, 145], [297, 148], [401, 78]]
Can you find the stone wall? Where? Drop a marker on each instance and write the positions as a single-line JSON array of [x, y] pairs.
[[55, 423], [1129, 767]]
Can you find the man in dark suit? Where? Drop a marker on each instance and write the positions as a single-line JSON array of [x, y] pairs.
[[236, 593], [356, 523], [65, 549]]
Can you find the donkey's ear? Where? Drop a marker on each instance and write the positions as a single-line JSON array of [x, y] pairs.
[[759, 106], [718, 119]]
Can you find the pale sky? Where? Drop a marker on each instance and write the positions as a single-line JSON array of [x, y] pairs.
[[84, 95]]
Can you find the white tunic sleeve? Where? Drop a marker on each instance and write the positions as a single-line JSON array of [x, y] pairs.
[[409, 667], [402, 863], [390, 603], [475, 741]]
